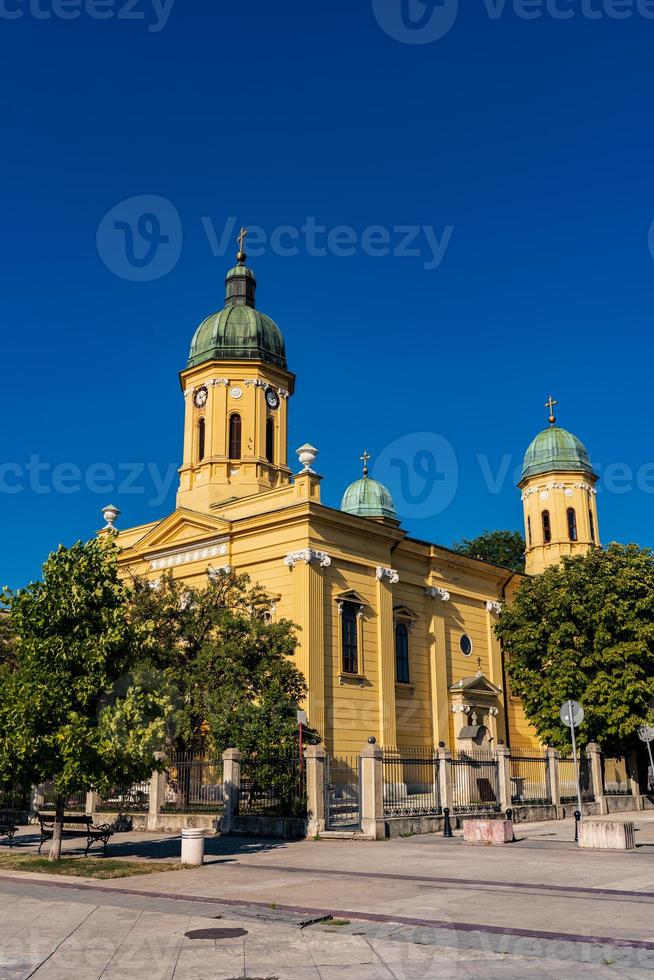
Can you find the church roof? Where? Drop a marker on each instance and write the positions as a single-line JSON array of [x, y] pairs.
[[556, 450], [239, 331], [368, 498]]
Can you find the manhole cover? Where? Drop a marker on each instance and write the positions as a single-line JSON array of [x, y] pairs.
[[215, 933]]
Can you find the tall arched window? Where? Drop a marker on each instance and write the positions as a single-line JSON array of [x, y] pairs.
[[592, 525], [349, 627], [270, 440], [529, 530], [235, 436], [202, 431], [572, 524], [547, 527], [401, 653]]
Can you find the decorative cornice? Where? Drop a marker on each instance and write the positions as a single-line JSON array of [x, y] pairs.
[[216, 573], [494, 607], [309, 556], [546, 487], [389, 574], [441, 594], [283, 393], [183, 556], [255, 383], [461, 709]]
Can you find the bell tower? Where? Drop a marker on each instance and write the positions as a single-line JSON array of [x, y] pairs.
[[236, 388], [558, 497]]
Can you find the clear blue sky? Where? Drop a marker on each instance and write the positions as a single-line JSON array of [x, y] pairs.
[[531, 139]]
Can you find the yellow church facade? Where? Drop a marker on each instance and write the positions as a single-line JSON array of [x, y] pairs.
[[396, 635]]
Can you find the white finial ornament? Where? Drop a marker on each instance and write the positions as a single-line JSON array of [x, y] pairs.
[[307, 456], [111, 515]]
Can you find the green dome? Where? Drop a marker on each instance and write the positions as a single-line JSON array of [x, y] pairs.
[[239, 331], [556, 450], [368, 498]]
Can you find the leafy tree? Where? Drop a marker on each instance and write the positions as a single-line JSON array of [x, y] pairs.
[[500, 547], [234, 674], [70, 708], [585, 630]]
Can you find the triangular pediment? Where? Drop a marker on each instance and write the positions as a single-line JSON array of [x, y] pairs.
[[479, 684], [183, 528]]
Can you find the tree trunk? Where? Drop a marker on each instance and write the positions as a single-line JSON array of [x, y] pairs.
[[55, 847]]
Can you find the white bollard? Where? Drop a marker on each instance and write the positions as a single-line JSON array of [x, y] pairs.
[[192, 845]]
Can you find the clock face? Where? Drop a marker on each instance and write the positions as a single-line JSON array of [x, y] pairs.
[[200, 397], [272, 398], [236, 392]]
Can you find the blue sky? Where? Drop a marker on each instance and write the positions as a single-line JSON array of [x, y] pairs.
[[515, 153]]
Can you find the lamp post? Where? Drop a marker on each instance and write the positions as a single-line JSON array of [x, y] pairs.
[[572, 715]]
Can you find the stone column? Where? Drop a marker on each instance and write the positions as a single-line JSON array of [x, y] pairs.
[[632, 770], [91, 802], [553, 778], [496, 723], [594, 755], [308, 571], [372, 791], [231, 788], [438, 664], [315, 756], [157, 793], [445, 777], [37, 799], [386, 578], [503, 758]]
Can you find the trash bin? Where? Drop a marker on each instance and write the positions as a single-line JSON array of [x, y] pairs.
[[192, 845]]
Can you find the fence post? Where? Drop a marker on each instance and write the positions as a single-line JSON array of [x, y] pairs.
[[231, 788], [372, 790], [37, 799], [553, 776], [91, 802], [632, 771], [315, 756], [503, 759], [157, 793], [594, 756], [445, 776]]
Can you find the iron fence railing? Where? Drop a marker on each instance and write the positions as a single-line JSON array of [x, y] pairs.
[[615, 776], [273, 786], [568, 780], [411, 782], [132, 798], [73, 802], [475, 783], [13, 796], [194, 783], [343, 792], [530, 785]]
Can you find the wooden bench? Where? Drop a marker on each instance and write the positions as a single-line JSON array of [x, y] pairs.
[[79, 824], [7, 828]]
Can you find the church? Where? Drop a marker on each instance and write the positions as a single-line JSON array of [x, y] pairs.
[[396, 635]]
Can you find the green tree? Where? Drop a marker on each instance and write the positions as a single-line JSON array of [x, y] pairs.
[[233, 673], [500, 547], [71, 708], [585, 630]]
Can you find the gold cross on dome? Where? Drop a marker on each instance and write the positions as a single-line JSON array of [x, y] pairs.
[[366, 459], [241, 239], [550, 403]]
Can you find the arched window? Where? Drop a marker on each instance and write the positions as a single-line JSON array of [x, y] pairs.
[[401, 653], [349, 627], [572, 524], [235, 436], [202, 431], [547, 527], [592, 525], [529, 530], [270, 440]]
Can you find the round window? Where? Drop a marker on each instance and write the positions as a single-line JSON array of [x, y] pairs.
[[466, 645]]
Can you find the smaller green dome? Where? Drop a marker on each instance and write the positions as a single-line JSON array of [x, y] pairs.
[[368, 498], [556, 450]]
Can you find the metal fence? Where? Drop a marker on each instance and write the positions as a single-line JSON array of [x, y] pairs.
[[530, 784], [133, 798], [475, 784], [343, 792], [13, 796], [615, 774], [73, 802], [273, 786], [411, 782], [568, 780], [194, 784]]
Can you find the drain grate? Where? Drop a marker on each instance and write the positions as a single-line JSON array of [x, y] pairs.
[[215, 933]]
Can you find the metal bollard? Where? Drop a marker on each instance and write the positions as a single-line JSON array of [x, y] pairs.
[[577, 819], [447, 826], [509, 816]]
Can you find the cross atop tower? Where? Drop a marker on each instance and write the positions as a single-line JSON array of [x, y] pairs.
[[241, 257], [365, 459], [550, 403]]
